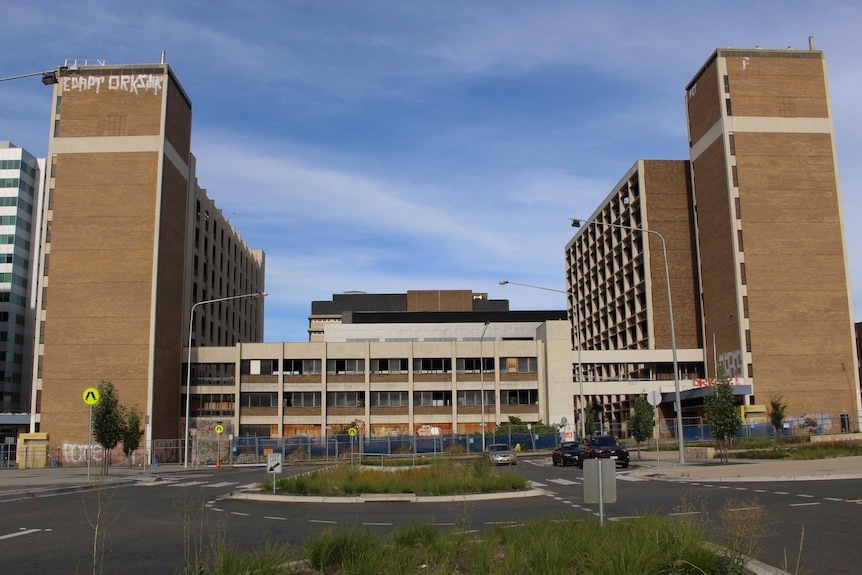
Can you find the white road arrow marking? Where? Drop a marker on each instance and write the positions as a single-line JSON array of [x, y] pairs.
[[19, 533]]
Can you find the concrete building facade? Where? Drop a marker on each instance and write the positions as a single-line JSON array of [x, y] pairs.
[[124, 224], [395, 378], [618, 289], [20, 197]]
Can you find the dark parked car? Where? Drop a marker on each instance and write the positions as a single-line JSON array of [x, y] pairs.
[[566, 453], [501, 454], [603, 447]]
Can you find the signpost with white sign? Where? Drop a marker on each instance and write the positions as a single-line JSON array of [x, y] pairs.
[[654, 399], [600, 483], [273, 465]]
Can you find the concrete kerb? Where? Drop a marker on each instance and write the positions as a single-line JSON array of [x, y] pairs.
[[385, 497]]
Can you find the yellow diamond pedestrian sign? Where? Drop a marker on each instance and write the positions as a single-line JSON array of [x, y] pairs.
[[91, 395]]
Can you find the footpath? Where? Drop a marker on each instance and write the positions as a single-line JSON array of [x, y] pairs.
[[667, 467], [16, 484]]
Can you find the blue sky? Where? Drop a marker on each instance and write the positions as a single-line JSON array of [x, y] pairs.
[[392, 145]]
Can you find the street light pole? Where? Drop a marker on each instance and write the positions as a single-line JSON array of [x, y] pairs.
[[577, 337], [680, 442], [189, 364], [48, 77], [482, 380]]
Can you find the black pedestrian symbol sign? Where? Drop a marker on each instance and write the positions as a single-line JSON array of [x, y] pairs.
[[91, 395]]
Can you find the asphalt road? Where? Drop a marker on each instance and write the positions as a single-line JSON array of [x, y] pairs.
[[152, 527]]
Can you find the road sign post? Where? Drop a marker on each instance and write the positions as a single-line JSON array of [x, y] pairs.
[[273, 465], [219, 429], [91, 396], [600, 483], [654, 399]]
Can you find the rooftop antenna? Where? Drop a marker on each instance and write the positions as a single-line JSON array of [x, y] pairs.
[[162, 61]]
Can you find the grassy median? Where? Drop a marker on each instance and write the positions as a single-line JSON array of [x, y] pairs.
[[440, 478]]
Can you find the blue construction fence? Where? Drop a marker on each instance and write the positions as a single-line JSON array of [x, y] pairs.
[[335, 446]]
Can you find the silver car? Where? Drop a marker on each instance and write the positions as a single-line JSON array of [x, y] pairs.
[[501, 454]]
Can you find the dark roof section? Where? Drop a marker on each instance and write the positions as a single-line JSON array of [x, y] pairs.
[[494, 316], [359, 301], [343, 303]]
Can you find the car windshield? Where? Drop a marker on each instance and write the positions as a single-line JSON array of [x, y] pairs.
[[498, 448], [568, 445], [604, 441]]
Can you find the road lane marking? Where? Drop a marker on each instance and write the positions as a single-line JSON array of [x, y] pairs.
[[685, 513], [239, 513], [187, 484], [741, 488], [562, 481], [275, 518], [222, 484], [624, 477], [322, 521], [759, 490], [833, 499], [19, 533], [803, 495], [743, 509], [378, 524], [801, 504], [501, 523], [780, 493], [537, 484]]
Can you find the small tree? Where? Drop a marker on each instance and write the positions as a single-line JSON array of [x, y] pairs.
[[595, 418], [776, 411], [643, 421], [108, 420], [721, 413], [132, 432]]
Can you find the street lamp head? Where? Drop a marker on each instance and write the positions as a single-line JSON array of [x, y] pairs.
[[504, 282], [575, 223], [49, 78], [262, 294]]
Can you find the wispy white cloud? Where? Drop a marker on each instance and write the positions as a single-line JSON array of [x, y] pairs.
[[386, 146]]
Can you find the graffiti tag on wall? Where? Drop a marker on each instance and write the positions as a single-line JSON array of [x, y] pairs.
[[134, 83], [76, 453]]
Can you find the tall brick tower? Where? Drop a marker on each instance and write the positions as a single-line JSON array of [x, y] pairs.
[[775, 287], [112, 279]]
